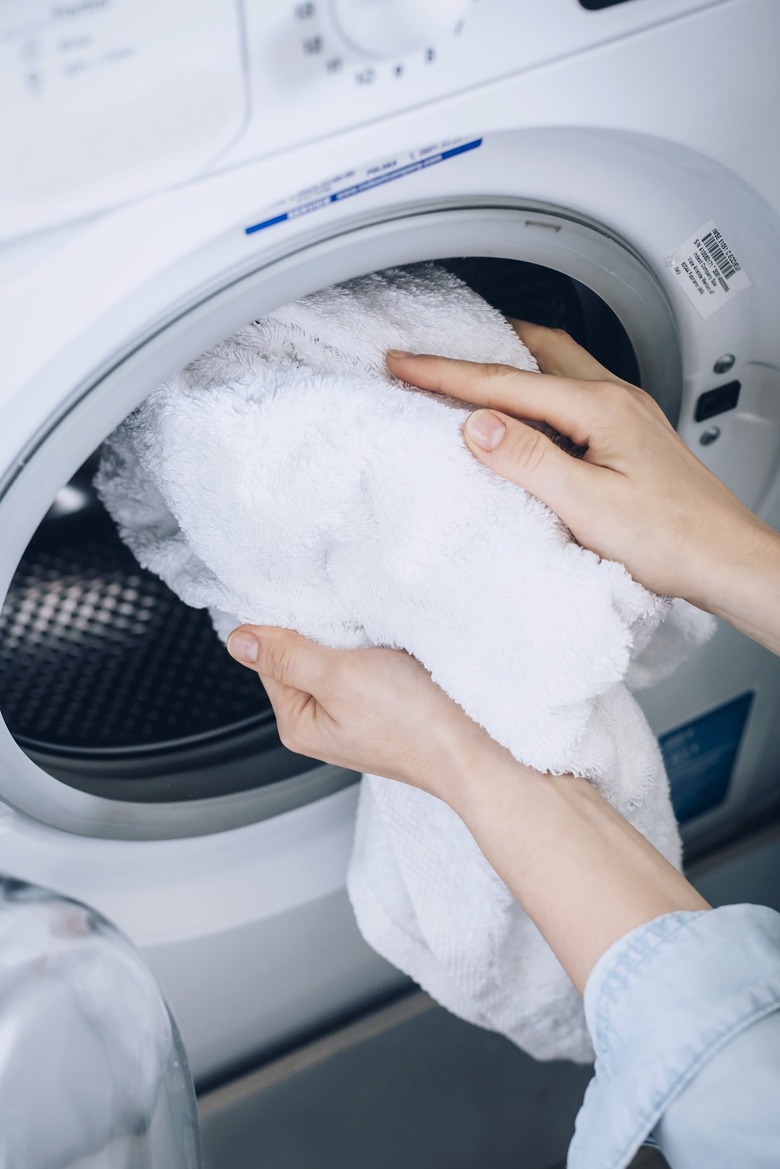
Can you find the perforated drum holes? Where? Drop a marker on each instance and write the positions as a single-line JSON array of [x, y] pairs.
[[98, 654]]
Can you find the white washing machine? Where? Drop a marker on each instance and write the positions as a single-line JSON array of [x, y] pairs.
[[173, 169]]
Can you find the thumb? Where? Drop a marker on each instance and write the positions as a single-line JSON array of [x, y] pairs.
[[527, 457], [280, 655]]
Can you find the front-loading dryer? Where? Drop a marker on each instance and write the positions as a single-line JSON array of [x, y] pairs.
[[173, 171]]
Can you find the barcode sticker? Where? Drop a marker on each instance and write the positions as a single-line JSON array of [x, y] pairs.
[[707, 270]]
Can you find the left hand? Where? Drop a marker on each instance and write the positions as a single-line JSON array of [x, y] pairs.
[[374, 710], [582, 873]]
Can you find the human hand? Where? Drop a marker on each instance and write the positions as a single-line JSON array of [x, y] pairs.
[[584, 874], [374, 710], [639, 495]]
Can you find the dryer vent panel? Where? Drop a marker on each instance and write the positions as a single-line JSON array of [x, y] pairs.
[[114, 686]]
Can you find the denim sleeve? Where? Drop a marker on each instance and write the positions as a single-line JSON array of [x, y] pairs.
[[683, 1014], [729, 1114]]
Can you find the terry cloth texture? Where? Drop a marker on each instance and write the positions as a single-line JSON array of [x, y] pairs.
[[285, 478]]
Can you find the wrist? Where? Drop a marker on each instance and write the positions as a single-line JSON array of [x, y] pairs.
[[486, 773]]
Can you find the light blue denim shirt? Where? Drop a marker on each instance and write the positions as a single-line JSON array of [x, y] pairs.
[[684, 1013]]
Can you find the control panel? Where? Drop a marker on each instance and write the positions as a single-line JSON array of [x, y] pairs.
[[317, 67], [108, 100]]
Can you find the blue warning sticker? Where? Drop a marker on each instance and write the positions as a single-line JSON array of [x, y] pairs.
[[700, 756], [365, 179]]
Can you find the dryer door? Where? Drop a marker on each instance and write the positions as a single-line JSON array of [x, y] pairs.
[[112, 729], [117, 698]]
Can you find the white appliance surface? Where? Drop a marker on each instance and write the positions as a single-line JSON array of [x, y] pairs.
[[173, 169]]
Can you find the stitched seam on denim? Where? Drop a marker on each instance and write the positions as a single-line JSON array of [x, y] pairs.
[[655, 933], [681, 1081]]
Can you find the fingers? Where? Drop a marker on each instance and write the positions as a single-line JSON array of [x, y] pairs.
[[527, 457], [565, 404], [559, 354]]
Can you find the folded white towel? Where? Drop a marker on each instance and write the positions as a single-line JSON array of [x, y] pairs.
[[285, 478]]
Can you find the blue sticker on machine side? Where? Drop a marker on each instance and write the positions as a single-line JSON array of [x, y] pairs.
[[700, 757], [366, 185]]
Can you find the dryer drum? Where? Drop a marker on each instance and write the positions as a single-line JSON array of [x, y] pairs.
[[101, 655], [100, 661]]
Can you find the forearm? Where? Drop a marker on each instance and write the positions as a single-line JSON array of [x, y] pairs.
[[583, 874]]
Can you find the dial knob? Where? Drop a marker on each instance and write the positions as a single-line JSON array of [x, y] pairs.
[[392, 28]]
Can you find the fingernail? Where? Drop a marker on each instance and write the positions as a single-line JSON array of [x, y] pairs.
[[397, 354], [485, 429], [243, 647]]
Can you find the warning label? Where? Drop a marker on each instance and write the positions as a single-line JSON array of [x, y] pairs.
[[707, 270], [357, 182]]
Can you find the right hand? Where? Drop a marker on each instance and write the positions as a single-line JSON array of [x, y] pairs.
[[639, 495]]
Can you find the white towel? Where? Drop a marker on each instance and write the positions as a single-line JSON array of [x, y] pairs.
[[285, 478]]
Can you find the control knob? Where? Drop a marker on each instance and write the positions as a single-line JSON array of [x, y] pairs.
[[393, 28]]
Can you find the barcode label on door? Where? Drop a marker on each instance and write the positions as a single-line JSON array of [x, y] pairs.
[[725, 260], [707, 270]]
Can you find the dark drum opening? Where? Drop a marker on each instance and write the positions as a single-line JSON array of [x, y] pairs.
[[116, 687]]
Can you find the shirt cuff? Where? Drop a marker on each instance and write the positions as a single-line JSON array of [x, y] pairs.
[[659, 1003]]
